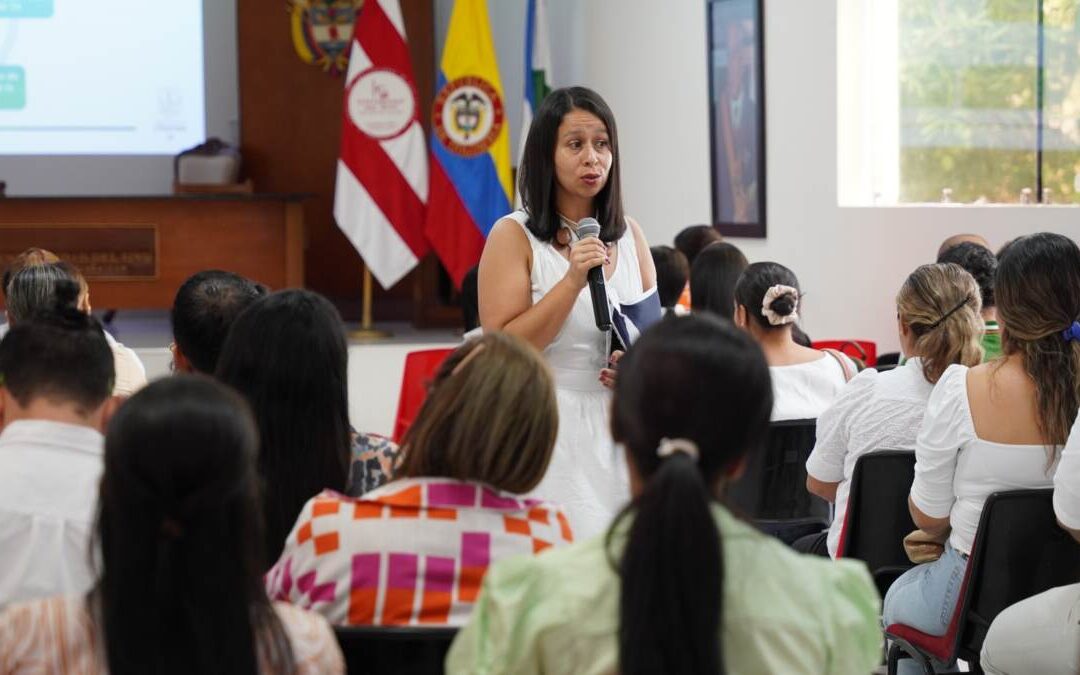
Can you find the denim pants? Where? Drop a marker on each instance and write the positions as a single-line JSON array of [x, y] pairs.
[[925, 597]]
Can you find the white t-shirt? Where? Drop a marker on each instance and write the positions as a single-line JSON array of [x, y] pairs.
[[875, 411], [1067, 481], [49, 473], [955, 470], [805, 390]]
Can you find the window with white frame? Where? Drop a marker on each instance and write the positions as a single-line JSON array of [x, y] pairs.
[[964, 101]]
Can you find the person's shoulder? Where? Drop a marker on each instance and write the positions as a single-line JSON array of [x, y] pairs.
[[511, 232], [573, 573], [314, 647]]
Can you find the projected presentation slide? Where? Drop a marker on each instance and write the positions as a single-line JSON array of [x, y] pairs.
[[109, 77]]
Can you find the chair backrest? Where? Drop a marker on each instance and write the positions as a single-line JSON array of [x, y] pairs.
[[773, 484], [420, 367], [877, 517], [1019, 551], [386, 650], [863, 350]]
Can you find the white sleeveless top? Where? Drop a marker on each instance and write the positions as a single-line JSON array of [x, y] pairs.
[[580, 350], [587, 475]]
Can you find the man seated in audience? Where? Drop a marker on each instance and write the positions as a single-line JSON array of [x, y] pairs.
[[56, 371], [981, 263], [33, 288], [672, 273], [31, 256], [204, 308], [1042, 633], [690, 241]]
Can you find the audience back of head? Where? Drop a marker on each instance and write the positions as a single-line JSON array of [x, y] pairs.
[[1037, 291], [980, 262], [690, 241], [693, 381], [180, 587], [34, 288], [205, 306], [55, 351], [940, 304], [755, 283], [713, 277], [286, 355], [960, 239], [490, 417], [672, 273], [31, 256]]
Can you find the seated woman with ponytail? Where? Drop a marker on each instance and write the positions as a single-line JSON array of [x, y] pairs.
[[937, 314], [678, 584], [997, 426], [179, 539], [804, 381]]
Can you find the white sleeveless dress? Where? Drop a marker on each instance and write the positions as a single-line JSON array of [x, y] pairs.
[[587, 475]]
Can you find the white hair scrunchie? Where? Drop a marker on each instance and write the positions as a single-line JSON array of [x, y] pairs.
[[669, 446], [772, 294]]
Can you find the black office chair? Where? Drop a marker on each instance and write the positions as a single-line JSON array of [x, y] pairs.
[[394, 650], [1019, 552], [877, 517], [772, 489]]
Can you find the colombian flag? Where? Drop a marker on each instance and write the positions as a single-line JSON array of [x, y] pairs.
[[470, 184]]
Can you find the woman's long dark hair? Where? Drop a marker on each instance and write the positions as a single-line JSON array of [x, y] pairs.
[[699, 379], [180, 588], [1037, 289], [713, 276], [286, 355], [536, 171]]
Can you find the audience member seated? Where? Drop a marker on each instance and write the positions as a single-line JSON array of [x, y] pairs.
[[678, 584], [804, 381], [690, 241], [982, 264], [179, 588], [483, 438], [31, 256], [1042, 633], [286, 355], [713, 277], [205, 306], [34, 287], [672, 273], [56, 373], [997, 426], [937, 312], [960, 239]]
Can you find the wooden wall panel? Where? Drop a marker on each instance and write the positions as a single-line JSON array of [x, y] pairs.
[[290, 127]]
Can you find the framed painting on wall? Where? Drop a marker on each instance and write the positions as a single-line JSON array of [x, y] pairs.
[[737, 116]]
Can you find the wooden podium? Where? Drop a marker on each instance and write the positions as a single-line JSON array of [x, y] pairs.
[[137, 250]]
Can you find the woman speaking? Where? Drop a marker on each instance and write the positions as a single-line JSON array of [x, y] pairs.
[[533, 284]]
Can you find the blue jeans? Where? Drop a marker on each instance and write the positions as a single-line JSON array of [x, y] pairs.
[[925, 597]]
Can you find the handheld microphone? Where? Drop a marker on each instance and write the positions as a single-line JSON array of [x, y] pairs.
[[588, 227]]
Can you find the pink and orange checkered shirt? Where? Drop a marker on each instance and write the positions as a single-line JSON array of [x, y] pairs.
[[412, 552]]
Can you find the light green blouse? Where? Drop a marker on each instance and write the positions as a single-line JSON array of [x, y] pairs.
[[783, 612]]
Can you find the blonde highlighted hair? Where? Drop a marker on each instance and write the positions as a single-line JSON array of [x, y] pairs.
[[940, 303], [490, 416]]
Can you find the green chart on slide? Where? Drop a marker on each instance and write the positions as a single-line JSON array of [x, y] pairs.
[[12, 75]]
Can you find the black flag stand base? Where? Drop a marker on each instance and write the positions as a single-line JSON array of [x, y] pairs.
[[367, 332]]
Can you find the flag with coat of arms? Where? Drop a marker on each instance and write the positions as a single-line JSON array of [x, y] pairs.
[[470, 178], [381, 191]]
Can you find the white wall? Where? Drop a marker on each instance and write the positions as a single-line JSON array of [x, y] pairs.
[[649, 60]]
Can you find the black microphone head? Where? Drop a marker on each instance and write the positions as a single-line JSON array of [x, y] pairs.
[[588, 227]]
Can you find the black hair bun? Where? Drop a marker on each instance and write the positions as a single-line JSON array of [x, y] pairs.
[[784, 305]]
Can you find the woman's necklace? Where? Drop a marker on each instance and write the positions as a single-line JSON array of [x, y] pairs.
[[567, 232]]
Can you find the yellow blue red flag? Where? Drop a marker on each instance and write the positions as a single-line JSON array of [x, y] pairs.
[[470, 184]]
